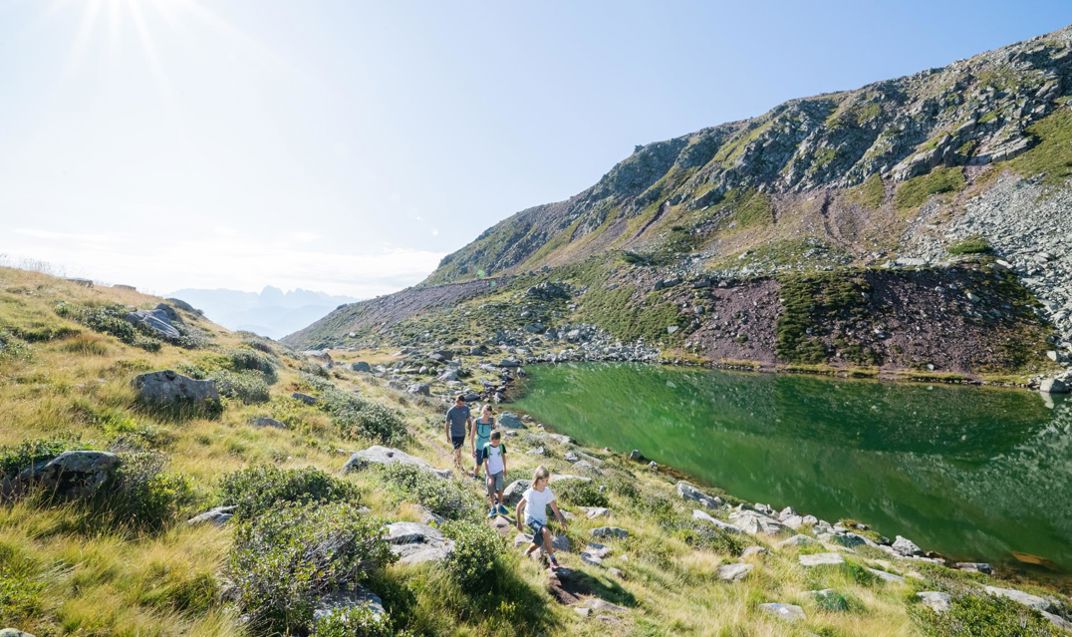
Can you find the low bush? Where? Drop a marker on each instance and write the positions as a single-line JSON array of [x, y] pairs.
[[283, 564], [248, 387], [356, 417], [477, 550], [983, 616], [110, 320], [442, 497], [255, 490], [12, 347], [248, 359], [584, 494], [15, 459], [971, 245], [141, 495]]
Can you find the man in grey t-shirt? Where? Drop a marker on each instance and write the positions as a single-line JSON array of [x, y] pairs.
[[459, 421]]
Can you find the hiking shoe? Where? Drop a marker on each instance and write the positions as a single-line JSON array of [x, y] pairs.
[[552, 562], [503, 510], [492, 513]]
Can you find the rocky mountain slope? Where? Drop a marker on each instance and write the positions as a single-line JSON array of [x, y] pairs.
[[937, 176]]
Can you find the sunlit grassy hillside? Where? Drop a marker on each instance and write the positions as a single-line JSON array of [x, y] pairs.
[[125, 561]]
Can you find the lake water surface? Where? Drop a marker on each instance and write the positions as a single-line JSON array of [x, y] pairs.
[[973, 473]]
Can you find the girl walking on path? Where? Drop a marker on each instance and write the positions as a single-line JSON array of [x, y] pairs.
[[534, 503], [481, 433]]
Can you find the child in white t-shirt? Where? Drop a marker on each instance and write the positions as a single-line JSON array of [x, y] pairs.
[[535, 502]]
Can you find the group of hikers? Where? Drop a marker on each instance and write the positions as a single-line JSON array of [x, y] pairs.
[[489, 458]]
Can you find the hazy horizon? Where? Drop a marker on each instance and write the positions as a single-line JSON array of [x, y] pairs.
[[346, 147]]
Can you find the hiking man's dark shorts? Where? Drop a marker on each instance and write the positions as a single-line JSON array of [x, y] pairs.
[[457, 441]]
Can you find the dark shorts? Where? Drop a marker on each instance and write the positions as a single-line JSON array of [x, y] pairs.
[[478, 456], [537, 530], [457, 441]]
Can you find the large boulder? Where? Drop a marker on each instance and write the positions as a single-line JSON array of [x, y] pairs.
[[218, 516], [1055, 386], [71, 474], [173, 390], [377, 454], [906, 547], [415, 543], [514, 491], [361, 366]]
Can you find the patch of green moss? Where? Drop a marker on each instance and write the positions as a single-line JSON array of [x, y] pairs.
[[811, 304], [916, 190], [871, 193], [971, 245], [627, 317], [988, 117], [1052, 156], [824, 157], [732, 150]]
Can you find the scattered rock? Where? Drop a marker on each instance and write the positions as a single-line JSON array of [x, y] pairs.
[[218, 516], [174, 391], [1020, 597], [265, 421], [163, 321], [935, 600], [906, 547], [690, 492], [978, 567], [722, 526], [377, 454], [595, 512], [734, 572], [798, 540], [421, 389], [510, 421], [361, 366], [610, 532], [305, 398], [346, 600], [787, 612], [821, 559], [885, 576], [14, 632], [752, 551], [415, 543]]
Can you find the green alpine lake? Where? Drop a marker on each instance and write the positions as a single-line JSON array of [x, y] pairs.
[[972, 473]]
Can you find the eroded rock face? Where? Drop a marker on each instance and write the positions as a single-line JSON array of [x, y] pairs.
[[377, 454], [416, 543], [163, 321], [173, 390]]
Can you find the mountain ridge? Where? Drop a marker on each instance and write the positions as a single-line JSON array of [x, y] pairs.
[[932, 170]]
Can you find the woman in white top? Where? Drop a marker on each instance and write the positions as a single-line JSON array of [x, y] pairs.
[[535, 502]]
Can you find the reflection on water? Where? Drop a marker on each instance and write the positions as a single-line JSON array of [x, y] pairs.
[[973, 473]]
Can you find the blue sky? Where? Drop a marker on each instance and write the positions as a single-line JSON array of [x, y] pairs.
[[346, 146]]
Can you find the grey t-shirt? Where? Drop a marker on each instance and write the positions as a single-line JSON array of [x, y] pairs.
[[457, 417]]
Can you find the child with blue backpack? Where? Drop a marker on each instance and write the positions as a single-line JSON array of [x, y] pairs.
[[494, 456]]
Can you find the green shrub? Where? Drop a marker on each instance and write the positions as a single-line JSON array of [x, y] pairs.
[[835, 602], [247, 359], [85, 345], [254, 490], [477, 549], [357, 418], [353, 622], [442, 497], [282, 564], [585, 494], [109, 319], [141, 496], [983, 616], [971, 245], [15, 459], [248, 387], [41, 332], [12, 347]]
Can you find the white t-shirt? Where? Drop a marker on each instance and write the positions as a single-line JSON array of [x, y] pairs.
[[494, 454], [536, 503]]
